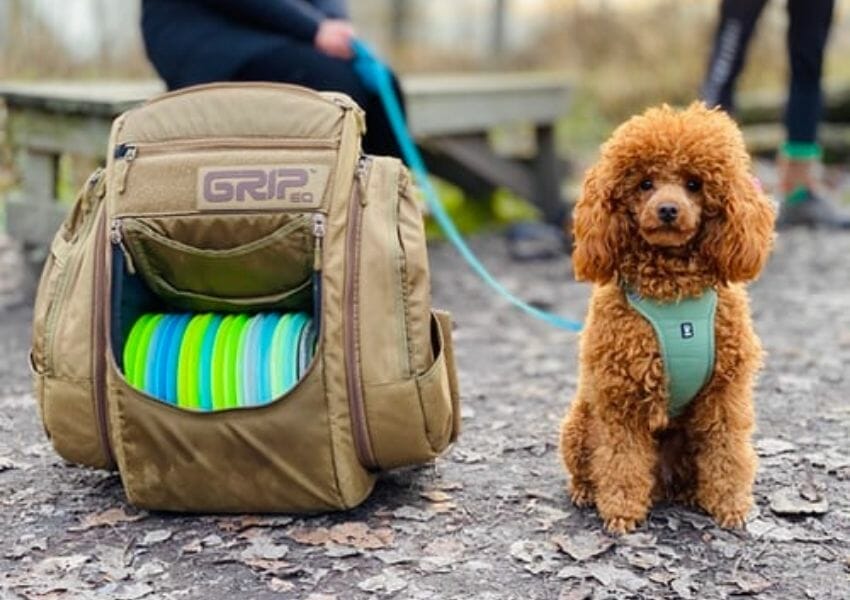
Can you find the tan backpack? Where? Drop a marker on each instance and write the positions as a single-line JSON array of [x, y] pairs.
[[239, 198]]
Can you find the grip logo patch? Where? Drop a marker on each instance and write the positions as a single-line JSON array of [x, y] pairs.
[[261, 187]]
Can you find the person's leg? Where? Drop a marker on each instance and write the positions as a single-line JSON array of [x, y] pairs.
[[300, 64], [808, 30], [737, 22]]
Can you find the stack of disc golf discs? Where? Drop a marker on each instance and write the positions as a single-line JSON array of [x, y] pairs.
[[214, 362]]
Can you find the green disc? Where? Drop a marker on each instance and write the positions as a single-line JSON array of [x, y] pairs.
[[217, 366], [131, 347]]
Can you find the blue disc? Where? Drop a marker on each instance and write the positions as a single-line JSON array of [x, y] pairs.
[[205, 367], [264, 366], [290, 357], [147, 377], [250, 380], [306, 348], [159, 381], [172, 357], [278, 352]]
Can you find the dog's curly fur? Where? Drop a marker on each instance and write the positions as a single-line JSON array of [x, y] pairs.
[[622, 450]]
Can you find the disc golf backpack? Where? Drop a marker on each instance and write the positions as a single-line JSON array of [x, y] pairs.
[[224, 204]]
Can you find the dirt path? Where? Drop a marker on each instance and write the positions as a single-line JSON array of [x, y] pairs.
[[491, 519]]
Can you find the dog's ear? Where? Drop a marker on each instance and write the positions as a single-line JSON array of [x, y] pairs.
[[598, 231], [739, 238]]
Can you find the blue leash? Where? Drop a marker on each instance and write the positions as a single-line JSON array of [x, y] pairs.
[[376, 76]]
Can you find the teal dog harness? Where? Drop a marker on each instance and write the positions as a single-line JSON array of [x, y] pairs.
[[685, 332]]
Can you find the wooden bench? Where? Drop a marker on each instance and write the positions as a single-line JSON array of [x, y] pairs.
[[450, 115]]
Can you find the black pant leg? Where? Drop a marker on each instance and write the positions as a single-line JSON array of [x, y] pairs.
[[808, 30], [737, 22]]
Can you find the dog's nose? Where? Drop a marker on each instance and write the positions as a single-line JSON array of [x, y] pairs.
[[668, 213]]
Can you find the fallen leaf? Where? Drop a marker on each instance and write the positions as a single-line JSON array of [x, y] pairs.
[[392, 557], [107, 518], [572, 572], [276, 567], [26, 544], [607, 574], [150, 569], [7, 464], [643, 560], [583, 545], [389, 581], [444, 546], [683, 586], [411, 513], [539, 557], [761, 528], [237, 524], [352, 533], [436, 495], [789, 501], [335, 551], [264, 548], [580, 592], [131, 591], [773, 446], [280, 586], [751, 583], [157, 536]]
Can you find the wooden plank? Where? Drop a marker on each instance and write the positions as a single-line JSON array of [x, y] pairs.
[[768, 106], [473, 153], [459, 105], [438, 103], [769, 137], [58, 133]]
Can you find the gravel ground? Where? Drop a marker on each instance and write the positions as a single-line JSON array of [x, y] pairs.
[[490, 519]]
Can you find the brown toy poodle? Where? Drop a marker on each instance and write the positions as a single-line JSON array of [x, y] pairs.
[[671, 211]]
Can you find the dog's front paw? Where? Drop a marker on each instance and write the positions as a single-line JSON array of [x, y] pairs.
[[730, 514], [620, 525], [731, 518], [581, 495]]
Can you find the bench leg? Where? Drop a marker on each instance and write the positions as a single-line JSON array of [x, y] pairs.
[[39, 172], [32, 214], [547, 185]]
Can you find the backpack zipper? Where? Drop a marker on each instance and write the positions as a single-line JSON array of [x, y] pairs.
[[319, 229], [99, 320], [61, 287], [127, 152], [359, 425]]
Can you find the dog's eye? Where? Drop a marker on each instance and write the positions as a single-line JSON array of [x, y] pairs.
[[693, 184], [646, 184]]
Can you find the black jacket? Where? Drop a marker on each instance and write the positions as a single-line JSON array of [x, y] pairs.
[[198, 41]]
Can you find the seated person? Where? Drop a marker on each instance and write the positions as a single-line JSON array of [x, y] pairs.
[[304, 42]]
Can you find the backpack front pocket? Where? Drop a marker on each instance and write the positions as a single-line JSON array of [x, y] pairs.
[[412, 421], [226, 263], [241, 460]]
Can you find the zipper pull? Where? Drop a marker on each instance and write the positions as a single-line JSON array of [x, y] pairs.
[[126, 153], [116, 236], [361, 174], [319, 229]]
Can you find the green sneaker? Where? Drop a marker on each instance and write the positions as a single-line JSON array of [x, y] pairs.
[[805, 207]]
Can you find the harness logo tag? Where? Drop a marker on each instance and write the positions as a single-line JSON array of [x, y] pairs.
[[261, 187], [687, 330]]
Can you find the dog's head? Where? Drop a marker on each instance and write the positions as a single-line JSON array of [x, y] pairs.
[[673, 185]]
